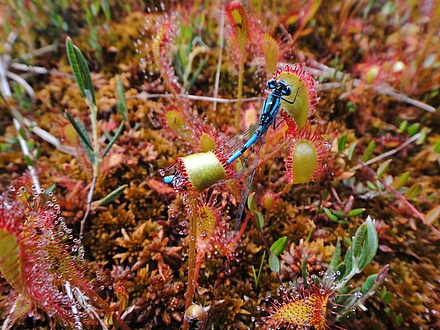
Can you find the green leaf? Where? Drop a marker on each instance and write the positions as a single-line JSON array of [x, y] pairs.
[[29, 161], [348, 261], [383, 168], [260, 220], [413, 191], [368, 284], [437, 146], [330, 215], [80, 130], [278, 247], [355, 212], [341, 143], [358, 240], [386, 296], [350, 151], [113, 140], [251, 202], [368, 151], [106, 9], [336, 255], [122, 103], [432, 215], [403, 126], [371, 244], [257, 276], [371, 185], [339, 214], [274, 263], [304, 272], [400, 181], [423, 134], [80, 69], [254, 273], [413, 129], [112, 196], [89, 153], [340, 269]]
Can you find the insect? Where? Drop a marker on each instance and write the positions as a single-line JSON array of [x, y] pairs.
[[269, 112]]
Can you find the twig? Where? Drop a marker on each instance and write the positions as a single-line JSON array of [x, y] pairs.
[[323, 70], [220, 56], [402, 199], [26, 153], [145, 96], [388, 153], [6, 92], [46, 136]]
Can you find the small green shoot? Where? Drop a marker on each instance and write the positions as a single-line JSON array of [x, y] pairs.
[[257, 276], [368, 152]]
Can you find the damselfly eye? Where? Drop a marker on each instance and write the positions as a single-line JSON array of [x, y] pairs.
[[271, 83], [286, 90]]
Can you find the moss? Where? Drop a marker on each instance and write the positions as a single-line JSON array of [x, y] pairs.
[[140, 240]]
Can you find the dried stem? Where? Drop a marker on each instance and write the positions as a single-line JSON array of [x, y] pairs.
[[220, 57]]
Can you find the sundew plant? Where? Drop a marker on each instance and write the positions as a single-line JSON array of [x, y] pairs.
[[219, 165]]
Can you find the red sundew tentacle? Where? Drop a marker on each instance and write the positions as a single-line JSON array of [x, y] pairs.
[[161, 45], [230, 170], [238, 23], [301, 307], [39, 262], [292, 127]]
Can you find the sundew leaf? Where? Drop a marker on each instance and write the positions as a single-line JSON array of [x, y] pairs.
[[239, 24], [10, 265], [270, 51]]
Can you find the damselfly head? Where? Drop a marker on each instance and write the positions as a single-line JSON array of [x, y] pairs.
[[284, 88], [271, 83]]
